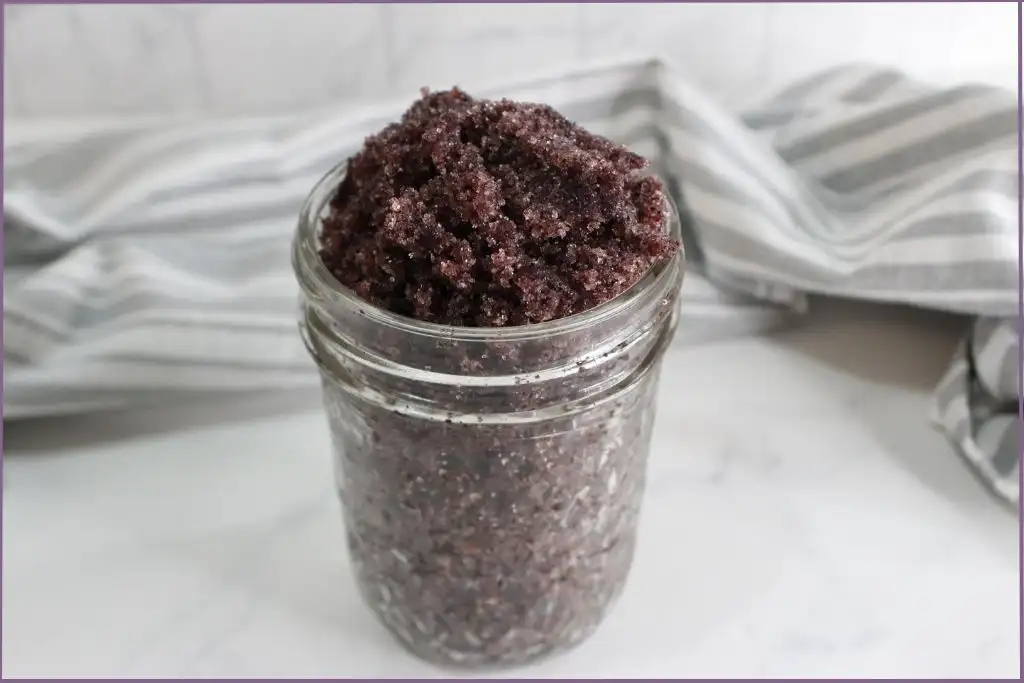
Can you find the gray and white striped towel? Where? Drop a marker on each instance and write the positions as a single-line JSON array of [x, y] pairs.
[[152, 260]]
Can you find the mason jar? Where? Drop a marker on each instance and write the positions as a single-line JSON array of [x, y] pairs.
[[490, 479]]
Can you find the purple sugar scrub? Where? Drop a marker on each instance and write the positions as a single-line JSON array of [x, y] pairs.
[[491, 214], [488, 290]]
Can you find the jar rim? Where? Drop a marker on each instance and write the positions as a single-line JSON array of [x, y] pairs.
[[317, 282]]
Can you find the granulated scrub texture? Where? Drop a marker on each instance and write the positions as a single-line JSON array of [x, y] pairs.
[[491, 544], [491, 489], [492, 213]]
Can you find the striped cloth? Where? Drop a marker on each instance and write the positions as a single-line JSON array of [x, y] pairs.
[[152, 260]]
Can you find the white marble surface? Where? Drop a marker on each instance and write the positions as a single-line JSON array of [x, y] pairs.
[[801, 520], [70, 61]]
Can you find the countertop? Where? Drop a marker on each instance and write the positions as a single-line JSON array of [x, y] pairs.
[[801, 519]]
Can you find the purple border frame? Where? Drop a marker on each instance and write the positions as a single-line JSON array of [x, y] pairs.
[[3, 16], [1020, 208], [1020, 309]]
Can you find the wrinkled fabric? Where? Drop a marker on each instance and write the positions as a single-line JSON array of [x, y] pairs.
[[149, 261]]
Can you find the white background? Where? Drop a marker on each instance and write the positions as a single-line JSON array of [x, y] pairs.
[[74, 61]]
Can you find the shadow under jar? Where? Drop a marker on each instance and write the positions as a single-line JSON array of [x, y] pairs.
[[490, 478]]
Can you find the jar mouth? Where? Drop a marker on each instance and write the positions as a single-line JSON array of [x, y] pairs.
[[317, 282]]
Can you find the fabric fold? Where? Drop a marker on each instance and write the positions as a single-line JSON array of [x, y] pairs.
[[150, 261]]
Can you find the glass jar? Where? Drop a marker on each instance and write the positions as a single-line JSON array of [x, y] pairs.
[[490, 478]]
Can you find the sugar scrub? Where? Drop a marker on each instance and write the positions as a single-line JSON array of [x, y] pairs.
[[488, 292], [480, 213]]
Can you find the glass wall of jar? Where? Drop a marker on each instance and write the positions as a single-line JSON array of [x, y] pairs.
[[490, 478]]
